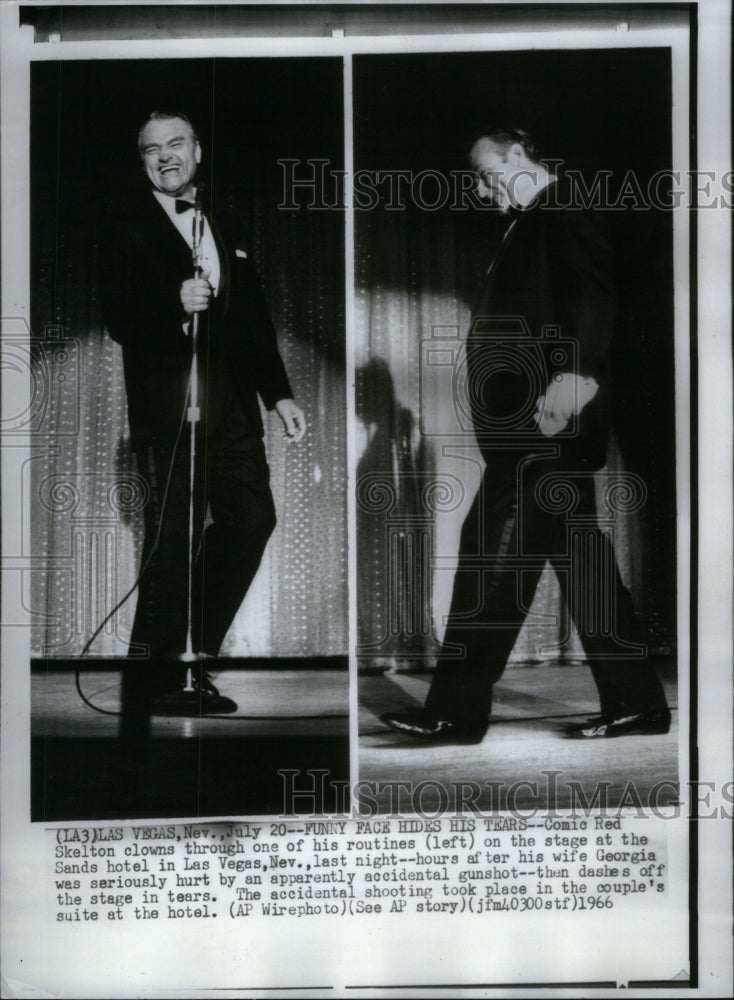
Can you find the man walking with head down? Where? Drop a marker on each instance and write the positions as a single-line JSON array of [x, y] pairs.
[[154, 300], [538, 384]]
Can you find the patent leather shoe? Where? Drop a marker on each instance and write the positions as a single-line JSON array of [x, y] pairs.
[[202, 698], [639, 724], [574, 728], [430, 730]]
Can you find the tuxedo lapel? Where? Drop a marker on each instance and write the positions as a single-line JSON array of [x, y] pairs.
[[175, 248], [165, 241], [490, 277]]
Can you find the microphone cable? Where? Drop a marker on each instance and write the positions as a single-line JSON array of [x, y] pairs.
[[197, 234], [128, 594]]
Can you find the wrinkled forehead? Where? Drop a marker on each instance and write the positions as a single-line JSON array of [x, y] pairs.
[[164, 130]]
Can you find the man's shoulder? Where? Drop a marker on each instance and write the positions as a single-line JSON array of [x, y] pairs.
[[233, 222], [567, 217]]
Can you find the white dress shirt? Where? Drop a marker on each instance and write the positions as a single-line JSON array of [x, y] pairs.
[[183, 221]]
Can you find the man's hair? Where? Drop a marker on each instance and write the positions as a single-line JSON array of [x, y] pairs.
[[157, 116], [504, 137]]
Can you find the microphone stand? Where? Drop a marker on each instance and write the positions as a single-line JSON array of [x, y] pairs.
[[193, 417], [188, 700]]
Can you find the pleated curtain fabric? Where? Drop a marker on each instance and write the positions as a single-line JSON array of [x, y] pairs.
[[87, 499], [419, 467], [414, 276]]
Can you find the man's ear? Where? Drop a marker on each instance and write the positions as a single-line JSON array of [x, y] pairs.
[[197, 152], [516, 153]]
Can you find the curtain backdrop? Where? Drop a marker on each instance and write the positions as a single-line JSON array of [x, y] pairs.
[[86, 498], [422, 249], [419, 466]]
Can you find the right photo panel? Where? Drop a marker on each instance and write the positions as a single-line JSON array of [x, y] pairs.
[[516, 426]]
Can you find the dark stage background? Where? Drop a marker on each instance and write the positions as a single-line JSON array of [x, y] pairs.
[[597, 110], [86, 521]]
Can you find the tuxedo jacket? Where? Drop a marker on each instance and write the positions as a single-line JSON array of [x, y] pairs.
[[143, 262], [547, 305]]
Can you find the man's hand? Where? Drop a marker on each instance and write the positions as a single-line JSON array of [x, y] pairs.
[[565, 397], [195, 295], [293, 419]]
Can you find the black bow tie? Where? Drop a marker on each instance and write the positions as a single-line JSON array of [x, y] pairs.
[[183, 206]]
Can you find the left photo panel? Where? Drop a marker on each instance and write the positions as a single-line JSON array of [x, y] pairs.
[[187, 484]]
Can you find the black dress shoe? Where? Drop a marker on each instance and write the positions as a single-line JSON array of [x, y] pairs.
[[202, 699], [425, 727], [641, 724], [574, 728]]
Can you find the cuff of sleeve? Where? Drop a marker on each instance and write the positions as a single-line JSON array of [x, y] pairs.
[[270, 398]]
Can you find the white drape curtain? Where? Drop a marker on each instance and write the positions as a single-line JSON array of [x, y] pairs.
[[86, 498], [412, 315]]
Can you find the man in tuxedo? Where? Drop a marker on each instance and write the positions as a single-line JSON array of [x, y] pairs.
[[153, 304], [538, 384]]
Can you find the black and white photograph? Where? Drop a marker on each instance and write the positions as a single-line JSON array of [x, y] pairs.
[[180, 653], [516, 325], [366, 383]]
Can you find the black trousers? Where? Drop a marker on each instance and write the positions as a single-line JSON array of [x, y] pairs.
[[527, 512], [232, 487]]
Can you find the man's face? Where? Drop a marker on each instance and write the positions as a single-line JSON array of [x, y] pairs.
[[170, 155], [495, 171]]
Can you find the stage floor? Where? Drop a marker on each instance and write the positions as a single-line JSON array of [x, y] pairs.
[[525, 739], [87, 765]]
